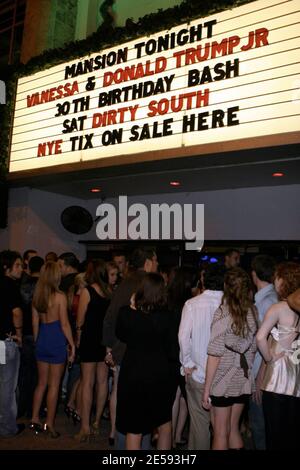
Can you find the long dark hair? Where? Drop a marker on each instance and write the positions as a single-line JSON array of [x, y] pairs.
[[151, 294], [238, 297], [96, 274]]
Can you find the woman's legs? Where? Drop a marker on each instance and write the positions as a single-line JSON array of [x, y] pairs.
[[73, 394], [175, 415], [235, 438], [222, 417], [164, 441], [43, 369], [113, 403], [88, 370], [183, 412], [55, 374], [133, 441], [102, 389]]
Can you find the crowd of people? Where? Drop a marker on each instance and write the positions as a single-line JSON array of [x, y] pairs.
[[213, 349]]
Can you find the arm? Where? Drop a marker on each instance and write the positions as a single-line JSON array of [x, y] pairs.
[[84, 300], [18, 324], [270, 320], [35, 324], [211, 368], [185, 341], [65, 325], [215, 350], [258, 382], [293, 300]]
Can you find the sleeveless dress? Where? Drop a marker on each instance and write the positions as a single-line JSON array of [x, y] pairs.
[[91, 348], [145, 386], [283, 375], [51, 344]]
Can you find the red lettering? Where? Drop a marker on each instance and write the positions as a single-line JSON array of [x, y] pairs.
[[54, 145], [41, 150], [233, 42], [261, 37]]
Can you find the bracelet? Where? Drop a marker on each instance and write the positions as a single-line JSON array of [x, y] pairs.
[[108, 353], [78, 328], [18, 327]]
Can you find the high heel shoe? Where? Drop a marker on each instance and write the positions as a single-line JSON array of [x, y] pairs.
[[36, 428], [51, 432], [111, 441], [75, 417], [82, 437], [95, 428], [69, 411]]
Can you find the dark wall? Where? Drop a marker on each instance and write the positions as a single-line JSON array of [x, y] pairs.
[[3, 204]]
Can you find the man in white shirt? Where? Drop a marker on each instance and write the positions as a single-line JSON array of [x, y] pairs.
[[194, 335]]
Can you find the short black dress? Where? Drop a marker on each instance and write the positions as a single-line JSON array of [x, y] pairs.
[[91, 348], [145, 388]]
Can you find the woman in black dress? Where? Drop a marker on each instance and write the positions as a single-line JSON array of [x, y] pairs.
[[145, 387], [93, 302]]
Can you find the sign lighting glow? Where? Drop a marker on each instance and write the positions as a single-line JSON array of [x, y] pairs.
[[230, 76]]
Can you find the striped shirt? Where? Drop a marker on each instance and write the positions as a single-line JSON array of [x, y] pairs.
[[230, 379]]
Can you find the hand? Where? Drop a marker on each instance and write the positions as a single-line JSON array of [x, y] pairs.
[[275, 357], [257, 396], [17, 339], [77, 339], [206, 401], [132, 302], [109, 361], [71, 353], [188, 372]]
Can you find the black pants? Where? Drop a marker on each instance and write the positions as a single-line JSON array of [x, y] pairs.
[[282, 419], [28, 377]]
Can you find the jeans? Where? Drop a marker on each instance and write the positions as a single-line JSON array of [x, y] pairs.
[[8, 384], [257, 424]]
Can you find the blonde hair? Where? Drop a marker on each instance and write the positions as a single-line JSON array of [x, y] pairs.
[[79, 283], [47, 285]]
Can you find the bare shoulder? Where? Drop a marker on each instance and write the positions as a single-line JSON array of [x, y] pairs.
[[60, 297], [276, 308]]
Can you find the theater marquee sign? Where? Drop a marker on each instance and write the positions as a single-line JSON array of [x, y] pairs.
[[231, 76]]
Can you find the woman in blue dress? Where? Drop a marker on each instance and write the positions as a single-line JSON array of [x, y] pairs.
[[52, 332]]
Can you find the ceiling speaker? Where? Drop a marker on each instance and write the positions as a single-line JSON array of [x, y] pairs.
[[77, 220]]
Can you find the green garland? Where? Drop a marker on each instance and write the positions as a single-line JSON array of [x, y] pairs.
[[105, 37]]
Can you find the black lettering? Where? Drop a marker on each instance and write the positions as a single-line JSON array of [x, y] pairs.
[[220, 73], [193, 77], [232, 119], [217, 118], [188, 123], [206, 75], [232, 67], [70, 71], [202, 126], [134, 132]]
